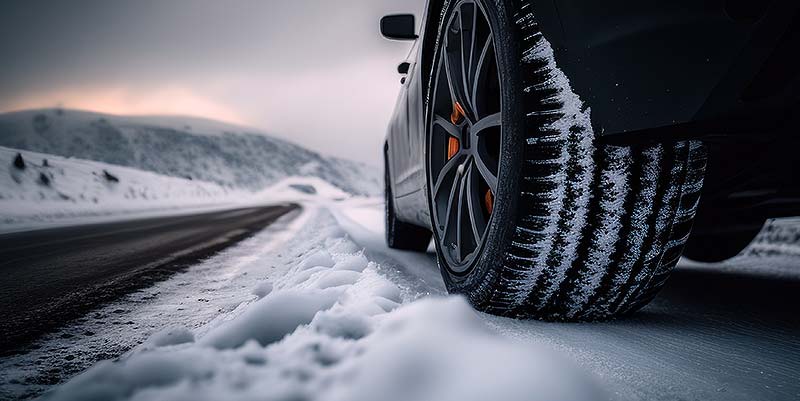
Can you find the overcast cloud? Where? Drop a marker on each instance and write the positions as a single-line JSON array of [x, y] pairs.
[[315, 72]]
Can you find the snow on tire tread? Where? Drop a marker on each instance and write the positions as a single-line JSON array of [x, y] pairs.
[[599, 227]]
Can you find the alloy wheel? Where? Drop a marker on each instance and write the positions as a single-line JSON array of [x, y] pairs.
[[465, 133]]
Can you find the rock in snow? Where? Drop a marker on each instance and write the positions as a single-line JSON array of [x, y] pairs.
[[44, 179], [19, 162], [110, 177]]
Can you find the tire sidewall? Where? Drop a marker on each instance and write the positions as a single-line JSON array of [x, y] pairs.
[[485, 267]]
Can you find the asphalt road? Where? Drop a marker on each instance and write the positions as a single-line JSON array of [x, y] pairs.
[[50, 276]]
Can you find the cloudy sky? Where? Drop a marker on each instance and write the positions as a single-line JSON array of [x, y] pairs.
[[315, 72]]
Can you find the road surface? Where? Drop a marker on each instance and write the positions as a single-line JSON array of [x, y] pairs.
[[724, 332], [727, 331], [53, 275]]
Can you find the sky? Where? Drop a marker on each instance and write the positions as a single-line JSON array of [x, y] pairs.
[[315, 72]]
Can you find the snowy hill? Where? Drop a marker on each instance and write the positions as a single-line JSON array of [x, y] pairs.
[[44, 188], [185, 147], [38, 189]]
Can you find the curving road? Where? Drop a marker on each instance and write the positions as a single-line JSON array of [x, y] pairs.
[[53, 275]]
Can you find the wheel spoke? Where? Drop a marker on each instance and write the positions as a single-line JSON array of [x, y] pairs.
[[451, 208], [477, 74], [475, 212], [492, 120], [487, 174], [472, 42], [448, 70], [464, 56], [444, 172], [448, 126], [460, 218]]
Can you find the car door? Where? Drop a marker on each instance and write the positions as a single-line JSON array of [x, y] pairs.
[[409, 146]]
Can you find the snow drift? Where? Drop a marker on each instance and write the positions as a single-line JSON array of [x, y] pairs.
[[50, 188]]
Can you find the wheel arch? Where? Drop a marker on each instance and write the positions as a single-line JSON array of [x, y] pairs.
[[428, 46]]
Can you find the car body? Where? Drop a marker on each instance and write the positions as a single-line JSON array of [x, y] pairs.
[[722, 71]]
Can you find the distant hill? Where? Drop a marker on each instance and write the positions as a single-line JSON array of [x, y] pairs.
[[184, 147]]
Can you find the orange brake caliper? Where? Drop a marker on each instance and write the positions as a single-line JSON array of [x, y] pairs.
[[452, 142], [452, 149]]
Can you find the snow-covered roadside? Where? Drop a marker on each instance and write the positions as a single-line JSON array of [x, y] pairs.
[[51, 190], [189, 300], [319, 308], [773, 253], [333, 323]]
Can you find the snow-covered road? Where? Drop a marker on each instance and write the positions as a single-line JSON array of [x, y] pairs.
[[727, 332], [317, 307]]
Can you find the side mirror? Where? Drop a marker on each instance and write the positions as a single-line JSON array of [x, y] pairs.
[[403, 67], [399, 27]]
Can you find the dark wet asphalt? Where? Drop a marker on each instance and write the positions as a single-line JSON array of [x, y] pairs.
[[50, 276]]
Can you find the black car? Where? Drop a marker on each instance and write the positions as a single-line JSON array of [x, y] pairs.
[[561, 152]]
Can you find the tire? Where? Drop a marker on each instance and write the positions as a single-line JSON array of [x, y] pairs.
[[578, 230], [401, 235]]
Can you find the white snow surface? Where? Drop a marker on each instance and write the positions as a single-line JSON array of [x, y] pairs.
[[52, 188], [326, 320]]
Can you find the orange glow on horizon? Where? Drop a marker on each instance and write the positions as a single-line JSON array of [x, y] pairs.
[[172, 100]]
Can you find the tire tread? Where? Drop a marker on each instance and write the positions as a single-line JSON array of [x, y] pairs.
[[598, 227]]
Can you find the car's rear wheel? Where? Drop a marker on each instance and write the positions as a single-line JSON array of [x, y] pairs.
[[532, 216]]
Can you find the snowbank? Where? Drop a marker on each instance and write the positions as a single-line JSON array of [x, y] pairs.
[[55, 190], [51, 188], [334, 327], [299, 189]]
